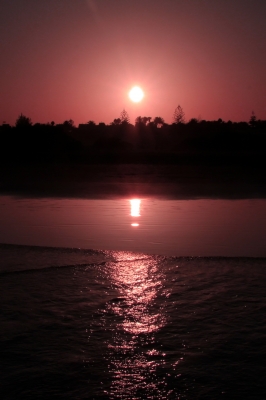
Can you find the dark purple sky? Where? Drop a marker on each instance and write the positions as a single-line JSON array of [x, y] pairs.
[[78, 59]]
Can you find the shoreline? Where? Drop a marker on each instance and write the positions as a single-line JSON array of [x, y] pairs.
[[133, 180]]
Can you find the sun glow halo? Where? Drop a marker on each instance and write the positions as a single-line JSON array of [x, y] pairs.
[[136, 94]]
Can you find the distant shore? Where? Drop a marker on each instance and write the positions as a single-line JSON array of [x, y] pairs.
[[133, 180], [198, 159]]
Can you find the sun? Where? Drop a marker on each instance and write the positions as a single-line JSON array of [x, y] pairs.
[[136, 94]]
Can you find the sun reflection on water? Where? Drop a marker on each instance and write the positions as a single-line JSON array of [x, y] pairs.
[[135, 207], [135, 210], [134, 354]]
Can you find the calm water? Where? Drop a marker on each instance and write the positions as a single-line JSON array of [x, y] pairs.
[[142, 317], [168, 227]]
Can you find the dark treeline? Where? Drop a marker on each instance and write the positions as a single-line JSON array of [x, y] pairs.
[[148, 140]]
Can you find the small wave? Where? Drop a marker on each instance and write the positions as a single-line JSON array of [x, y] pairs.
[[20, 258], [11, 246], [30, 270], [24, 259]]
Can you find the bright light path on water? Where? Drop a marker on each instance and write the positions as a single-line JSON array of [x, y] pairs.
[[135, 210], [135, 207]]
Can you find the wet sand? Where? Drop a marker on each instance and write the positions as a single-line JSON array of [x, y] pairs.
[[133, 180]]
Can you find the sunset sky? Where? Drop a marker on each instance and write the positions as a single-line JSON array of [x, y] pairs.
[[78, 59]]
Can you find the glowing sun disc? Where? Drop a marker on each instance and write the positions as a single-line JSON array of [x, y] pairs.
[[136, 94]]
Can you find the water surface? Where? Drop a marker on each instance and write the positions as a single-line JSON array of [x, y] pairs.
[[202, 227], [82, 324], [134, 298]]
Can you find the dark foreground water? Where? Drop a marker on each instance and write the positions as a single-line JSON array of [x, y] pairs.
[[79, 324]]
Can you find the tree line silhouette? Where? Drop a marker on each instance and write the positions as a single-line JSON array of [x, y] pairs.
[[147, 140]]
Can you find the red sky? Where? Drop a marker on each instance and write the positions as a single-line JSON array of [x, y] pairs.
[[79, 58]]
